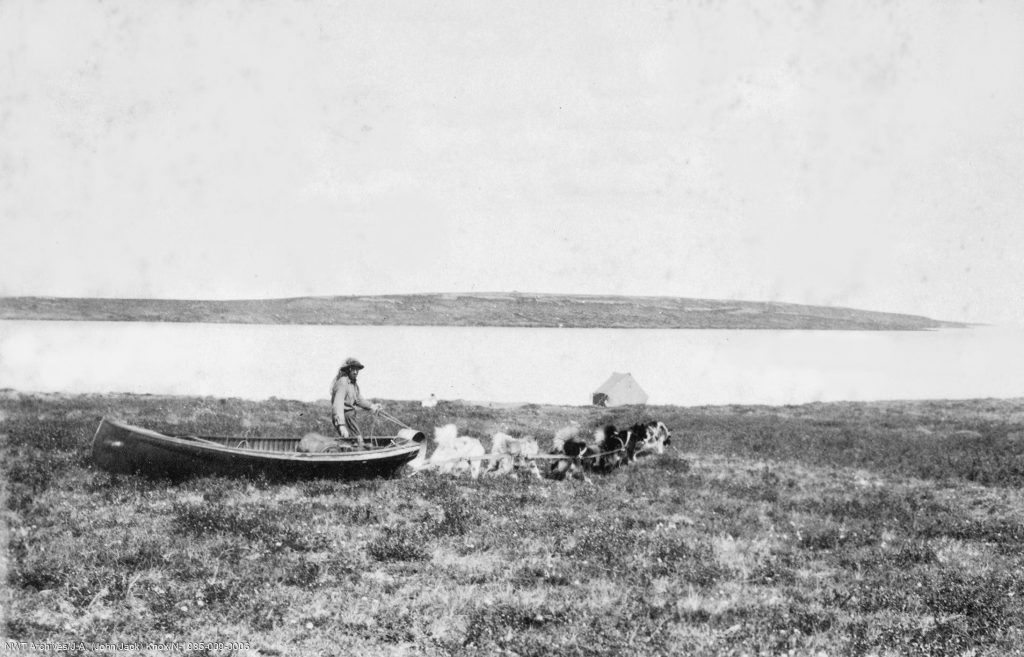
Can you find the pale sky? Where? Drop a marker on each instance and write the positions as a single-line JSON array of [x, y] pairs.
[[864, 154]]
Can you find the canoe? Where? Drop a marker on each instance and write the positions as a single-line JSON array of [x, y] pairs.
[[122, 448]]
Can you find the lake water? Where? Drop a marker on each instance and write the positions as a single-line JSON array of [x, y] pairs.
[[561, 366]]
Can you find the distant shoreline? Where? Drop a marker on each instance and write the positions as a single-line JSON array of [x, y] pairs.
[[513, 310], [1009, 405]]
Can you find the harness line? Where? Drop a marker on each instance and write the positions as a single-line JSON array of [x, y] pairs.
[[394, 419], [540, 457]]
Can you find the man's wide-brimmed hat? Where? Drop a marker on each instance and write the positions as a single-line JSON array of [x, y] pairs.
[[352, 364]]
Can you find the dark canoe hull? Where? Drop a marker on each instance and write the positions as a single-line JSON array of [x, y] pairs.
[[122, 448]]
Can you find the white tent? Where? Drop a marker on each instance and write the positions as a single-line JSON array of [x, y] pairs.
[[619, 390]]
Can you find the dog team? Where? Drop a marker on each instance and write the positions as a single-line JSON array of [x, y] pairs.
[[573, 452]]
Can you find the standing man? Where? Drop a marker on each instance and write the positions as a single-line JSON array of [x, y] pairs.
[[345, 397]]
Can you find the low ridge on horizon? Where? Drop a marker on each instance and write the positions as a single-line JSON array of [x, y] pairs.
[[507, 309]]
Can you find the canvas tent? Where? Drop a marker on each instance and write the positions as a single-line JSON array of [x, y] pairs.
[[620, 389]]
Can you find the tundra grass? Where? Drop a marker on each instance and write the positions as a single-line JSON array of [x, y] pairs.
[[837, 529]]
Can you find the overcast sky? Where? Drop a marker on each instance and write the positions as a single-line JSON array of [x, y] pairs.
[[865, 154]]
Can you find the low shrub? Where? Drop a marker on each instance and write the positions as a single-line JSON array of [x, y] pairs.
[[516, 628], [604, 546], [692, 561], [398, 544], [302, 573], [829, 536], [41, 571], [458, 517], [984, 600], [251, 522]]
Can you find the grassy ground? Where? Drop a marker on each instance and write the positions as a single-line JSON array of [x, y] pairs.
[[838, 529]]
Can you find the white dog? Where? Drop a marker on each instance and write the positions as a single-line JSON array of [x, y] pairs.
[[508, 453], [454, 453]]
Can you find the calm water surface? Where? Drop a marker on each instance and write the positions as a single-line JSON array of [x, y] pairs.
[[686, 367]]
